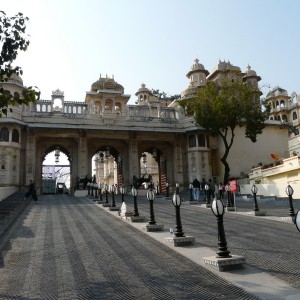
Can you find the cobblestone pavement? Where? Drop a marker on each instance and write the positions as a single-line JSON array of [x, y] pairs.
[[68, 248]]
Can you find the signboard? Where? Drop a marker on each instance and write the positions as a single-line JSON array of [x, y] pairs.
[[233, 186]]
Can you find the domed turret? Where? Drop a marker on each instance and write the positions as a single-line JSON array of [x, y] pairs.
[[197, 76], [251, 77], [143, 95]]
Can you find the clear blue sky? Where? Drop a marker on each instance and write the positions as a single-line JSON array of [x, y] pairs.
[[155, 42]]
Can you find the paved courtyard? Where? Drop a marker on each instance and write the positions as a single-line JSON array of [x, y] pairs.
[[69, 247]]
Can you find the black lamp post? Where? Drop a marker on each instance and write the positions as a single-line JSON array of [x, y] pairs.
[[176, 200], [113, 189], [157, 188], [191, 192], [106, 193], [228, 189], [297, 220], [254, 192], [290, 191], [122, 191], [134, 193], [218, 210], [151, 197], [167, 187], [207, 194], [100, 191]]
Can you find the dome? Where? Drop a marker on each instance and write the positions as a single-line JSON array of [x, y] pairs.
[[15, 79], [196, 67], [250, 72], [143, 89], [107, 84]]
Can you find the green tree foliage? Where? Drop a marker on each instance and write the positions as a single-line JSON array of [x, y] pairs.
[[12, 40], [163, 95], [221, 107]]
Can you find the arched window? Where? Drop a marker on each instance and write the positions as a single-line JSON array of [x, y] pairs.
[[294, 115], [192, 141], [4, 135], [282, 103], [15, 136], [201, 140]]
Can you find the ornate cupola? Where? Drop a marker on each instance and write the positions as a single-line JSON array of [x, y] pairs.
[[251, 78], [143, 95], [197, 76]]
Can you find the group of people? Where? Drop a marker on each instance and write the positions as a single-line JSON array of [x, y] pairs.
[[207, 189]]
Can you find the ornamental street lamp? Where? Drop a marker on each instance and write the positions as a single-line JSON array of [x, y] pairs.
[[254, 192], [290, 191], [207, 194], [100, 191], [106, 192], [228, 189], [167, 187], [122, 191], [218, 210], [191, 191], [134, 193], [176, 200], [113, 189], [151, 197]]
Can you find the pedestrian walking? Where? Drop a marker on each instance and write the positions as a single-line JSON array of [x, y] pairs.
[[31, 192], [196, 189], [221, 189]]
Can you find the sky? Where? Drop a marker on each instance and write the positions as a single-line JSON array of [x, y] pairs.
[[155, 42]]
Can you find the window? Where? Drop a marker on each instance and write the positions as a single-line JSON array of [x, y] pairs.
[[15, 136], [4, 135], [192, 141], [294, 115], [201, 140]]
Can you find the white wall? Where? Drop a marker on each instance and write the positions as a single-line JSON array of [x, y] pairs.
[[271, 189]]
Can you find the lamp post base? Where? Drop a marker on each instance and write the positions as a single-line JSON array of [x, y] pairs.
[[258, 213], [106, 204], [181, 241], [114, 208], [154, 227], [136, 219], [226, 264], [206, 205], [230, 208]]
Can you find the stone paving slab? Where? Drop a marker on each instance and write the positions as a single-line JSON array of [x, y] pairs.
[[68, 248]]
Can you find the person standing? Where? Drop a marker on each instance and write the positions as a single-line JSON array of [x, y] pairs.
[[196, 189], [31, 191]]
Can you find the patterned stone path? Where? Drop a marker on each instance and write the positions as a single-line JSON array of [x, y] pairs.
[[67, 248]]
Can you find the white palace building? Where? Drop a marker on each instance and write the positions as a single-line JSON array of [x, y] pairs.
[[106, 137]]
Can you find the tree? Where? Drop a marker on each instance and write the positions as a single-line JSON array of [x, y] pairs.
[[221, 107], [12, 40], [163, 95]]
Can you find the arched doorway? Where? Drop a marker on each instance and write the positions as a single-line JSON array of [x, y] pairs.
[[107, 166], [56, 171]]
